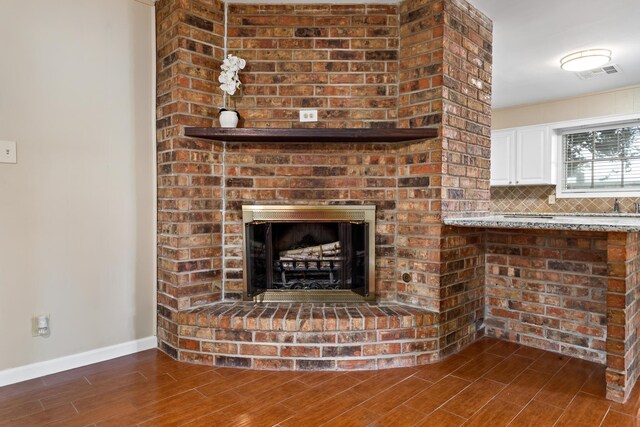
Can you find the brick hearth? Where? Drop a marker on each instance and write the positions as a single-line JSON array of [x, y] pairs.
[[308, 336]]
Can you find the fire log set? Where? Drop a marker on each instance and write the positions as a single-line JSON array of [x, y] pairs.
[[329, 252], [309, 261]]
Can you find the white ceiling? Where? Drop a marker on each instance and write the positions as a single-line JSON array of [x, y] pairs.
[[530, 37]]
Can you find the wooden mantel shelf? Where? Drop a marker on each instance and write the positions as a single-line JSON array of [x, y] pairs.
[[365, 135]]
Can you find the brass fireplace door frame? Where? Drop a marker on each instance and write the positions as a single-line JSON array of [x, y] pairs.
[[288, 213]]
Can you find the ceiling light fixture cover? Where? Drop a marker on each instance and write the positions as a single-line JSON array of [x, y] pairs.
[[585, 59]]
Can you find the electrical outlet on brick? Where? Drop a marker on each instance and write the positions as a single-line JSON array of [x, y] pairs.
[[308, 115]]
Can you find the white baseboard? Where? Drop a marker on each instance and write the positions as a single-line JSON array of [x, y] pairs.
[[40, 369]]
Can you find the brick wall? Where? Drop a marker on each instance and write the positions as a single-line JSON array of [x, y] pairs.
[[311, 174], [189, 39], [623, 314], [466, 97], [289, 47], [339, 59], [547, 289], [421, 63]]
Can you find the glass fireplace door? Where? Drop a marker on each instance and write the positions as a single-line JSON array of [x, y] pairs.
[[256, 252], [306, 256]]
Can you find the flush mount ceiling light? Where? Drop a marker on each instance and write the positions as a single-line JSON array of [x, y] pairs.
[[585, 59]]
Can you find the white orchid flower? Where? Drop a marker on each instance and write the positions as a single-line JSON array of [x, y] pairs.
[[228, 78], [230, 89]]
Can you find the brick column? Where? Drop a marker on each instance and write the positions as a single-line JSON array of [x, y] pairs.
[[445, 82], [623, 314], [189, 39], [420, 164], [466, 132]]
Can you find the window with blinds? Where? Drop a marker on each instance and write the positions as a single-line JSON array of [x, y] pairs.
[[602, 159]]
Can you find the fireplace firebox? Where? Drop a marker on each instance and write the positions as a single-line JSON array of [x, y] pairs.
[[309, 253]]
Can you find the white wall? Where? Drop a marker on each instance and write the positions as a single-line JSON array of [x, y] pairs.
[[77, 211], [611, 103]]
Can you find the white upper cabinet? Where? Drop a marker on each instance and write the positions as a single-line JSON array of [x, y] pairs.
[[502, 151], [533, 156], [522, 156]]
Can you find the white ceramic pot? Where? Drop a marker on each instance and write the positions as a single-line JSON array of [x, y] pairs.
[[228, 119]]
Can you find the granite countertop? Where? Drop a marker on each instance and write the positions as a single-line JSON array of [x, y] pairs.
[[553, 221]]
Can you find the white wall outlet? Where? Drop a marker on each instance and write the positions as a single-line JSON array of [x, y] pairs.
[[552, 199], [40, 325], [308, 115], [8, 153]]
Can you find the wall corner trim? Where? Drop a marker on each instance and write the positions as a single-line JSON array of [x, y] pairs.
[[39, 369]]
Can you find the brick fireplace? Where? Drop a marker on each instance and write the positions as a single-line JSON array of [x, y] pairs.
[[411, 65], [417, 64]]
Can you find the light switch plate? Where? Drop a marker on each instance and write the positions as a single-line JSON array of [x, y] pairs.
[[8, 153]]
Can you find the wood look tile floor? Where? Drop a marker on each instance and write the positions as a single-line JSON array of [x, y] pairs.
[[490, 383]]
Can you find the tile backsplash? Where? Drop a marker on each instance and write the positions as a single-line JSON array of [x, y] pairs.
[[535, 198]]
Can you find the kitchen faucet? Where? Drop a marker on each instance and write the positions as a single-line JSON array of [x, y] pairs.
[[616, 205]]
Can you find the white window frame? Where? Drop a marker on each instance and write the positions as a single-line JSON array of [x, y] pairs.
[[574, 126]]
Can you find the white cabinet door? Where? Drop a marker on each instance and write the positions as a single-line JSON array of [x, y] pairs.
[[533, 156], [522, 156], [502, 157]]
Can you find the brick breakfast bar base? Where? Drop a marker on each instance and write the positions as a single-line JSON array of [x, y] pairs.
[[417, 64]]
